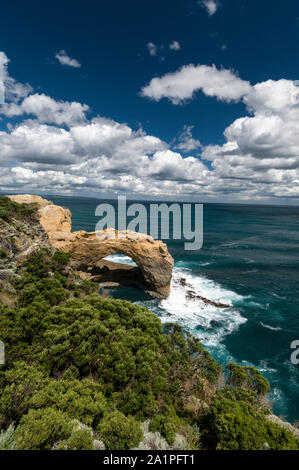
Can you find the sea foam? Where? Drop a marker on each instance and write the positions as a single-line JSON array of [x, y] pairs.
[[208, 322]]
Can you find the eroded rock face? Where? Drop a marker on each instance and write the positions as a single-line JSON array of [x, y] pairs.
[[55, 219], [87, 249], [151, 256]]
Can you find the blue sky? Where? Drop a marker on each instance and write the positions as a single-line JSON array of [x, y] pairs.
[[104, 54]]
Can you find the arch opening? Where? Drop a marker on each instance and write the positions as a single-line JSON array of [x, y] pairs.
[[114, 270]]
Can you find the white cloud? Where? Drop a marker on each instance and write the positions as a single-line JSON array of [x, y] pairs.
[[175, 46], [263, 149], [58, 148], [181, 85], [48, 110], [64, 59], [152, 48], [211, 6], [14, 91], [34, 142], [25, 175], [3, 66], [171, 166]]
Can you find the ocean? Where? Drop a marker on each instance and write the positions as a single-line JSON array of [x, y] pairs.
[[250, 260]]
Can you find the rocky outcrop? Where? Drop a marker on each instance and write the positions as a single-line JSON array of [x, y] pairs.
[[151, 257], [29, 199], [275, 419], [87, 249], [192, 295], [21, 235]]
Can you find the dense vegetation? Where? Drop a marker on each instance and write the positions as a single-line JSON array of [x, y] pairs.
[[81, 369], [10, 209]]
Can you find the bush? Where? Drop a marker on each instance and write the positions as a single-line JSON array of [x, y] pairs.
[[234, 423], [4, 214], [247, 377], [41, 429], [82, 400], [120, 432], [10, 209], [81, 439], [122, 344], [74, 358], [3, 253], [165, 425], [47, 290], [60, 260], [19, 384], [37, 265]]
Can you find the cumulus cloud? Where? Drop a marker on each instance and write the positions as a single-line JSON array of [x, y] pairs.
[[174, 46], [211, 6], [171, 166], [54, 146], [263, 148], [34, 142], [46, 109], [181, 85], [261, 155], [14, 91], [64, 59]]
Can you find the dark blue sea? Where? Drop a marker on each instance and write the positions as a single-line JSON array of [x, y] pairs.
[[249, 259]]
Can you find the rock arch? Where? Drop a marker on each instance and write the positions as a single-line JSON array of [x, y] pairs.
[[154, 263]]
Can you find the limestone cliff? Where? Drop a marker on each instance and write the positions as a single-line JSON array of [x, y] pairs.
[[87, 249], [21, 234]]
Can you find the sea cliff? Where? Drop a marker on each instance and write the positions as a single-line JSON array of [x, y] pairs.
[[83, 371], [154, 264]]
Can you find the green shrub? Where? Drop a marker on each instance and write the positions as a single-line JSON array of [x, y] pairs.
[[121, 343], [76, 358], [19, 384], [47, 290], [234, 423], [247, 377], [41, 429], [37, 264], [7, 441], [165, 425], [4, 214], [120, 432], [72, 373], [3, 253], [82, 400], [10, 210], [60, 260], [79, 440]]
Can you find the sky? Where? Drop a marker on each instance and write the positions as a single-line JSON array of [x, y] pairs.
[[184, 100]]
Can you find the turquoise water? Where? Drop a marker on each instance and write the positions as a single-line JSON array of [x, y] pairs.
[[250, 259]]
